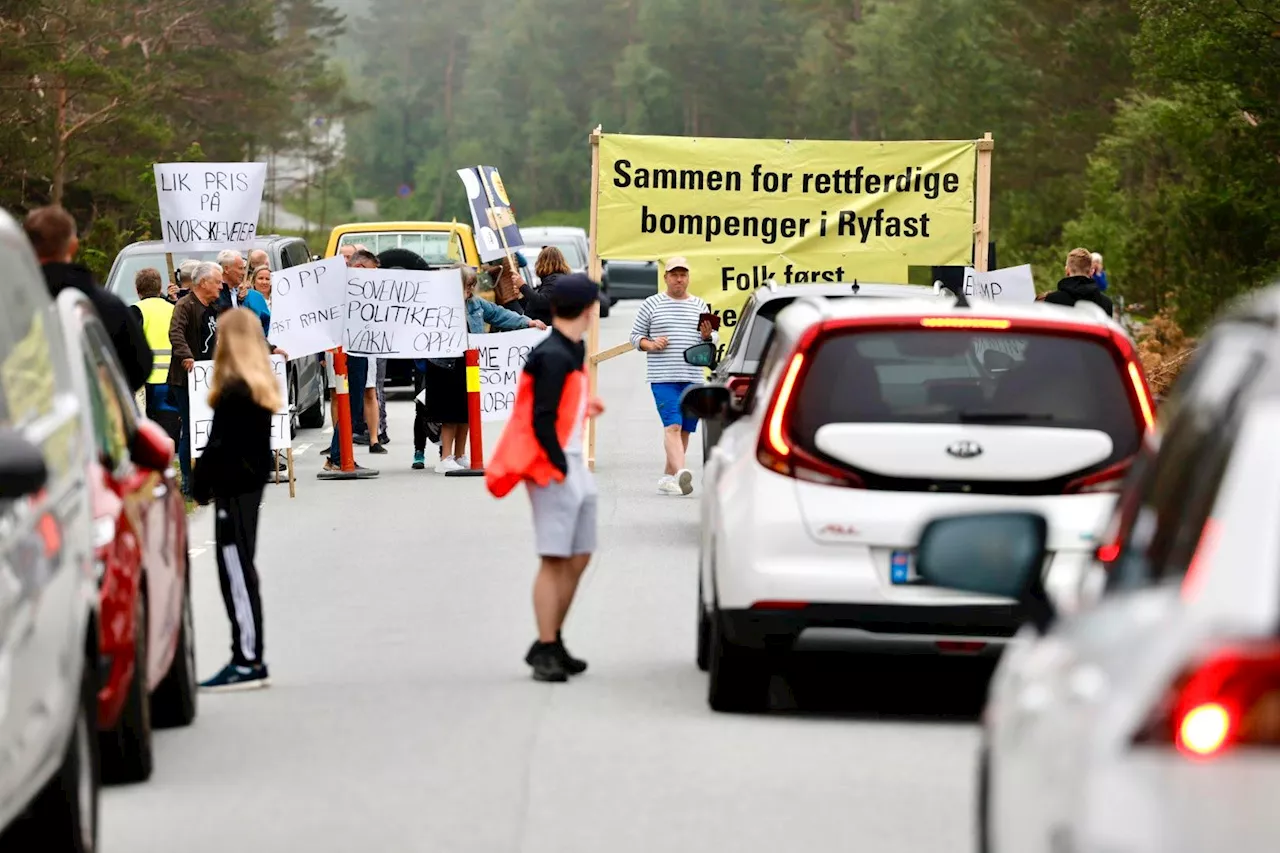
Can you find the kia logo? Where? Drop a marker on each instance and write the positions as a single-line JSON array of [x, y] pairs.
[[965, 449]]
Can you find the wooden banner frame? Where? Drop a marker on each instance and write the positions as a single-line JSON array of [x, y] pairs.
[[981, 240]]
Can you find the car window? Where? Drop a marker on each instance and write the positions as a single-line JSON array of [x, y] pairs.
[[744, 323], [433, 246], [296, 253], [769, 367], [571, 248], [114, 416], [1179, 486], [125, 272], [766, 316], [914, 375]]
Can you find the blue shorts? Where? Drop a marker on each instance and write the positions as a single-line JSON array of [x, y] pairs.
[[667, 396]]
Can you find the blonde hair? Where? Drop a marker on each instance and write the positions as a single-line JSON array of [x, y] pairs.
[[1079, 262], [241, 356], [550, 260]]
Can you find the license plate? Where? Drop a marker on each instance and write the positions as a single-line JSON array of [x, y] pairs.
[[900, 569]]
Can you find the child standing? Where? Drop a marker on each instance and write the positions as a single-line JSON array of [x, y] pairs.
[[542, 447], [232, 472]]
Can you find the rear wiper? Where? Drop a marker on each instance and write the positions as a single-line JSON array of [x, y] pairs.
[[1000, 417]]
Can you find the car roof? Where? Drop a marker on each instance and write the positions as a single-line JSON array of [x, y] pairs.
[[151, 247], [798, 316], [400, 225], [844, 288], [559, 230]]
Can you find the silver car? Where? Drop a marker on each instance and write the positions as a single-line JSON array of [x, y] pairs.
[[1142, 714], [48, 592]]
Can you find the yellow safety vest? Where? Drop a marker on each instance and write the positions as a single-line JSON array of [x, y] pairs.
[[157, 316]]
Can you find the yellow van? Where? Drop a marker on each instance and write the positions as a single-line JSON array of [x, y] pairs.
[[439, 243]]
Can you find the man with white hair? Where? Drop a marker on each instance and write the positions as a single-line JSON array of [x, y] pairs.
[[242, 295], [193, 335], [259, 258], [1098, 273]]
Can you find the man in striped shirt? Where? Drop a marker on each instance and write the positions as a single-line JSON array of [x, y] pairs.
[[667, 325]]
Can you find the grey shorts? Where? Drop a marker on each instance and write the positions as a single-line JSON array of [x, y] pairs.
[[564, 513]]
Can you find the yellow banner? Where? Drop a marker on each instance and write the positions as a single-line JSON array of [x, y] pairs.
[[813, 203]]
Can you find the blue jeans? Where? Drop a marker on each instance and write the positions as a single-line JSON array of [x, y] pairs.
[[180, 401], [357, 376]]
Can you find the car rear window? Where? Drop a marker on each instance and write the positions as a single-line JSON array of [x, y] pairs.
[[433, 246], [955, 376], [123, 274]]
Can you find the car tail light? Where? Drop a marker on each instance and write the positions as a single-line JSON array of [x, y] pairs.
[[776, 450], [965, 323], [1106, 480], [1143, 395], [780, 605], [738, 386], [1229, 697]]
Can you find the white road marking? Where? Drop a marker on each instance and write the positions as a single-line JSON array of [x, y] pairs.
[[196, 552], [301, 449]]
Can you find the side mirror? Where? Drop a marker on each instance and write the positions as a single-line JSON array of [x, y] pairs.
[[152, 448], [999, 554], [22, 468], [705, 401], [701, 355]]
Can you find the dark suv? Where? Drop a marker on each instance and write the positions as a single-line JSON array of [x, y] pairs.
[[736, 366], [308, 380]]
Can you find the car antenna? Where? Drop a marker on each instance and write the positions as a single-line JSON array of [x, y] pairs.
[[856, 287]]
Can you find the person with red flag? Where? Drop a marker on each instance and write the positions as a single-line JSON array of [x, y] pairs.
[[542, 447]]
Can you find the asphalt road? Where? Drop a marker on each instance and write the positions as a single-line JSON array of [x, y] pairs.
[[402, 717]]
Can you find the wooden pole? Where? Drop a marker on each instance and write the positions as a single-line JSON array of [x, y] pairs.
[[982, 219], [173, 273], [292, 479], [593, 334]]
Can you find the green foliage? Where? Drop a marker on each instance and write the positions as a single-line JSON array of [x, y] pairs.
[[97, 91]]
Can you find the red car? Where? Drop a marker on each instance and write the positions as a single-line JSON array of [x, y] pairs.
[[147, 642]]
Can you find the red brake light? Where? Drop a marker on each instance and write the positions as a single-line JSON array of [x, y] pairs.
[[1229, 697], [1106, 480], [779, 605], [1143, 394], [775, 450], [964, 323]]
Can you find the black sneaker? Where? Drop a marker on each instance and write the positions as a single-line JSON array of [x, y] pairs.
[[360, 438], [377, 448], [238, 677], [572, 665], [384, 439], [546, 663]]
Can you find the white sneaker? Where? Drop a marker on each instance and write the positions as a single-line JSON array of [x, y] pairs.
[[668, 486], [684, 481], [447, 464]]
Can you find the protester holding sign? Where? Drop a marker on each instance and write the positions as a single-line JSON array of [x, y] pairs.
[[232, 472], [446, 378]]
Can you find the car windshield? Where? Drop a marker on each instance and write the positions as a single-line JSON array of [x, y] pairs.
[[571, 249], [934, 376], [433, 246], [120, 281]]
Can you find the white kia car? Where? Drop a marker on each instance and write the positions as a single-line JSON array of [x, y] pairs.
[[868, 419], [1148, 720]]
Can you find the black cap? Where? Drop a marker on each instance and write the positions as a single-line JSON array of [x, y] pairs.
[[575, 289]]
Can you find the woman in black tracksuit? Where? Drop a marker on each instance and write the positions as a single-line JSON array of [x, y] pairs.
[[244, 394]]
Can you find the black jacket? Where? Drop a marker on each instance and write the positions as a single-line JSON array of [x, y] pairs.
[[237, 459], [132, 349], [1077, 287], [550, 364], [539, 300]]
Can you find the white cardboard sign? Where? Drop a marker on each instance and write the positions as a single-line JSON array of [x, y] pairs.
[[205, 207], [307, 307], [202, 414], [1011, 284], [502, 358], [404, 314]]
